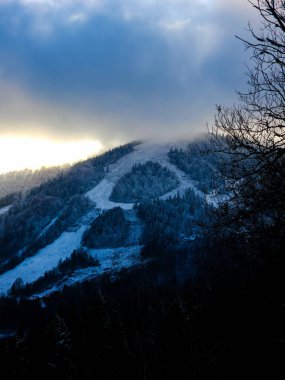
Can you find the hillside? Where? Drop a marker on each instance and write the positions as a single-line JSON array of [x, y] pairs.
[[24, 180], [152, 287], [60, 216]]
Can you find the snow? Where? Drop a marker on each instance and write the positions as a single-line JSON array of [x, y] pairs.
[[100, 195], [48, 227], [216, 200], [142, 153], [3, 210], [46, 259], [111, 260]]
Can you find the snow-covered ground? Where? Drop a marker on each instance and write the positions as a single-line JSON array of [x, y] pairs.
[[217, 200], [142, 153], [46, 259], [100, 195], [3, 210], [111, 260]]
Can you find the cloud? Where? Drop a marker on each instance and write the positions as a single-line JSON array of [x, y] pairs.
[[77, 18], [119, 68], [175, 25], [171, 13]]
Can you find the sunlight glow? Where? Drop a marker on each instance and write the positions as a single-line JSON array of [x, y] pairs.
[[18, 153]]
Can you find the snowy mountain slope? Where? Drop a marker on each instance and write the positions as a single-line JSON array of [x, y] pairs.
[[110, 259], [101, 193], [142, 153], [46, 259]]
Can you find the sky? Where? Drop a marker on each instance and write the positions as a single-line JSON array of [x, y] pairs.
[[105, 72]]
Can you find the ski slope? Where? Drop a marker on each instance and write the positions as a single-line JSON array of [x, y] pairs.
[[113, 259], [3, 210], [46, 259], [142, 153]]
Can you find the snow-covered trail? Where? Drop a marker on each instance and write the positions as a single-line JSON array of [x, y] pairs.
[[3, 210], [142, 153], [111, 260], [46, 259], [100, 195]]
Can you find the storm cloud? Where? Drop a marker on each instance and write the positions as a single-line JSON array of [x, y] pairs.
[[118, 69]]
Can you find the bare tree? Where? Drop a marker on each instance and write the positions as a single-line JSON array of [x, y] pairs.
[[251, 135]]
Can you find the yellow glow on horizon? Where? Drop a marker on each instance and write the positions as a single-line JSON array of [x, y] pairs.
[[17, 153]]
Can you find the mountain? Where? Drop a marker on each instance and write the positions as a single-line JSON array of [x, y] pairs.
[[121, 267], [108, 211]]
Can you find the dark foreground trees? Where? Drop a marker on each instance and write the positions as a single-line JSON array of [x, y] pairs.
[[251, 135]]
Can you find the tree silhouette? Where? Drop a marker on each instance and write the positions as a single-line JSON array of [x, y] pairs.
[[250, 136]]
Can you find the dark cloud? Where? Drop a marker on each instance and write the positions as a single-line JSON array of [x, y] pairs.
[[131, 70]]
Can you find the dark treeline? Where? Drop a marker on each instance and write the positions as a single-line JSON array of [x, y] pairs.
[[10, 198], [222, 322], [108, 230], [169, 223]]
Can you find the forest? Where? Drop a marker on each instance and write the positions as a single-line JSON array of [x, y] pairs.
[[172, 222], [24, 180], [144, 182], [109, 230], [201, 167]]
